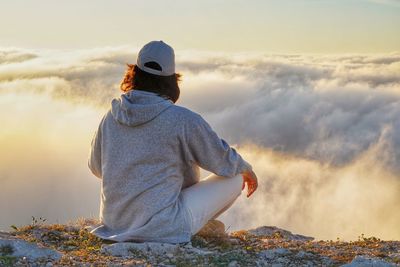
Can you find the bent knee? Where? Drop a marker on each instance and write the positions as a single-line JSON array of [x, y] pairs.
[[238, 182]]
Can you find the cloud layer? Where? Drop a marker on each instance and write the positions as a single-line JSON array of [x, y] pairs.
[[309, 124]]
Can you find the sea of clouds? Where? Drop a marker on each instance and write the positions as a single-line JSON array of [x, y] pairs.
[[321, 131]]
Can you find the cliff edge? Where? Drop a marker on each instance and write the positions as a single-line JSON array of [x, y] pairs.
[[40, 244]]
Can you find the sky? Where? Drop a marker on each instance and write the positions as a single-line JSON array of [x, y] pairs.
[[307, 91], [281, 26]]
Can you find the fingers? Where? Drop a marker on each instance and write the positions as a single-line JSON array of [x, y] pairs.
[[250, 191], [252, 182], [252, 187]]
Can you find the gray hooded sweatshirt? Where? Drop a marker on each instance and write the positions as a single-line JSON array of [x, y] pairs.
[[145, 151]]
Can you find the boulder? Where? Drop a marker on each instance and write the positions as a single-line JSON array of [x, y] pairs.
[[367, 261], [10, 246], [272, 231]]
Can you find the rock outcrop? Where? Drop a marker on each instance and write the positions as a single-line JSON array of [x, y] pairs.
[[73, 245], [13, 248]]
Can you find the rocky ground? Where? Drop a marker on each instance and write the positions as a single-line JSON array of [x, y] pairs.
[[39, 244]]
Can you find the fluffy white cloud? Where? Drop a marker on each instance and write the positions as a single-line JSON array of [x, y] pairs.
[[313, 126]]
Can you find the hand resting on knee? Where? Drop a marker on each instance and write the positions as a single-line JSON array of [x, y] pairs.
[[250, 178]]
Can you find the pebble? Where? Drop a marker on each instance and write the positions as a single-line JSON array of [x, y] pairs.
[[233, 264]]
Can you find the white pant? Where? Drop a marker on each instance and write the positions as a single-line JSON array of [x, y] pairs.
[[209, 198]]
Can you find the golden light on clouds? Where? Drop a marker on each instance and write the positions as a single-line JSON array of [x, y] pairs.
[[321, 131]]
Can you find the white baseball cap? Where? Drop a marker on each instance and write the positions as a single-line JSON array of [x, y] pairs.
[[160, 53]]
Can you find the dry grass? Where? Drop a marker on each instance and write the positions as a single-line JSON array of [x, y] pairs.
[[79, 246]]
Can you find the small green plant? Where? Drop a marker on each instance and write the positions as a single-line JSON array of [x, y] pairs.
[[6, 250], [371, 239], [137, 253], [361, 237], [198, 241], [36, 221], [14, 227], [7, 261]]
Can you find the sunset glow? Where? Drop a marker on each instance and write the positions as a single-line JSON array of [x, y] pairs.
[[308, 91]]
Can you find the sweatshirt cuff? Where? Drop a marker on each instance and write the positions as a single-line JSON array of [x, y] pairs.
[[244, 166]]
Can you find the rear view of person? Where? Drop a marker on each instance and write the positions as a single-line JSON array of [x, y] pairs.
[[147, 152]]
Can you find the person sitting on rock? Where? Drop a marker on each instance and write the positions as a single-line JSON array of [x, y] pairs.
[[147, 152]]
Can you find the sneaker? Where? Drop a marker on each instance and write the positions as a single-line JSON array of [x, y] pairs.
[[213, 228]]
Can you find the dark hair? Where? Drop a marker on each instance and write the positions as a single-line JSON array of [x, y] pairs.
[[137, 79]]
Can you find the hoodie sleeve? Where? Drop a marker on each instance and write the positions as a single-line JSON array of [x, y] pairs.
[[210, 152], [94, 160]]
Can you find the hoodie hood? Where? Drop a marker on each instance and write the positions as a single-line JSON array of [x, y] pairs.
[[138, 107]]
